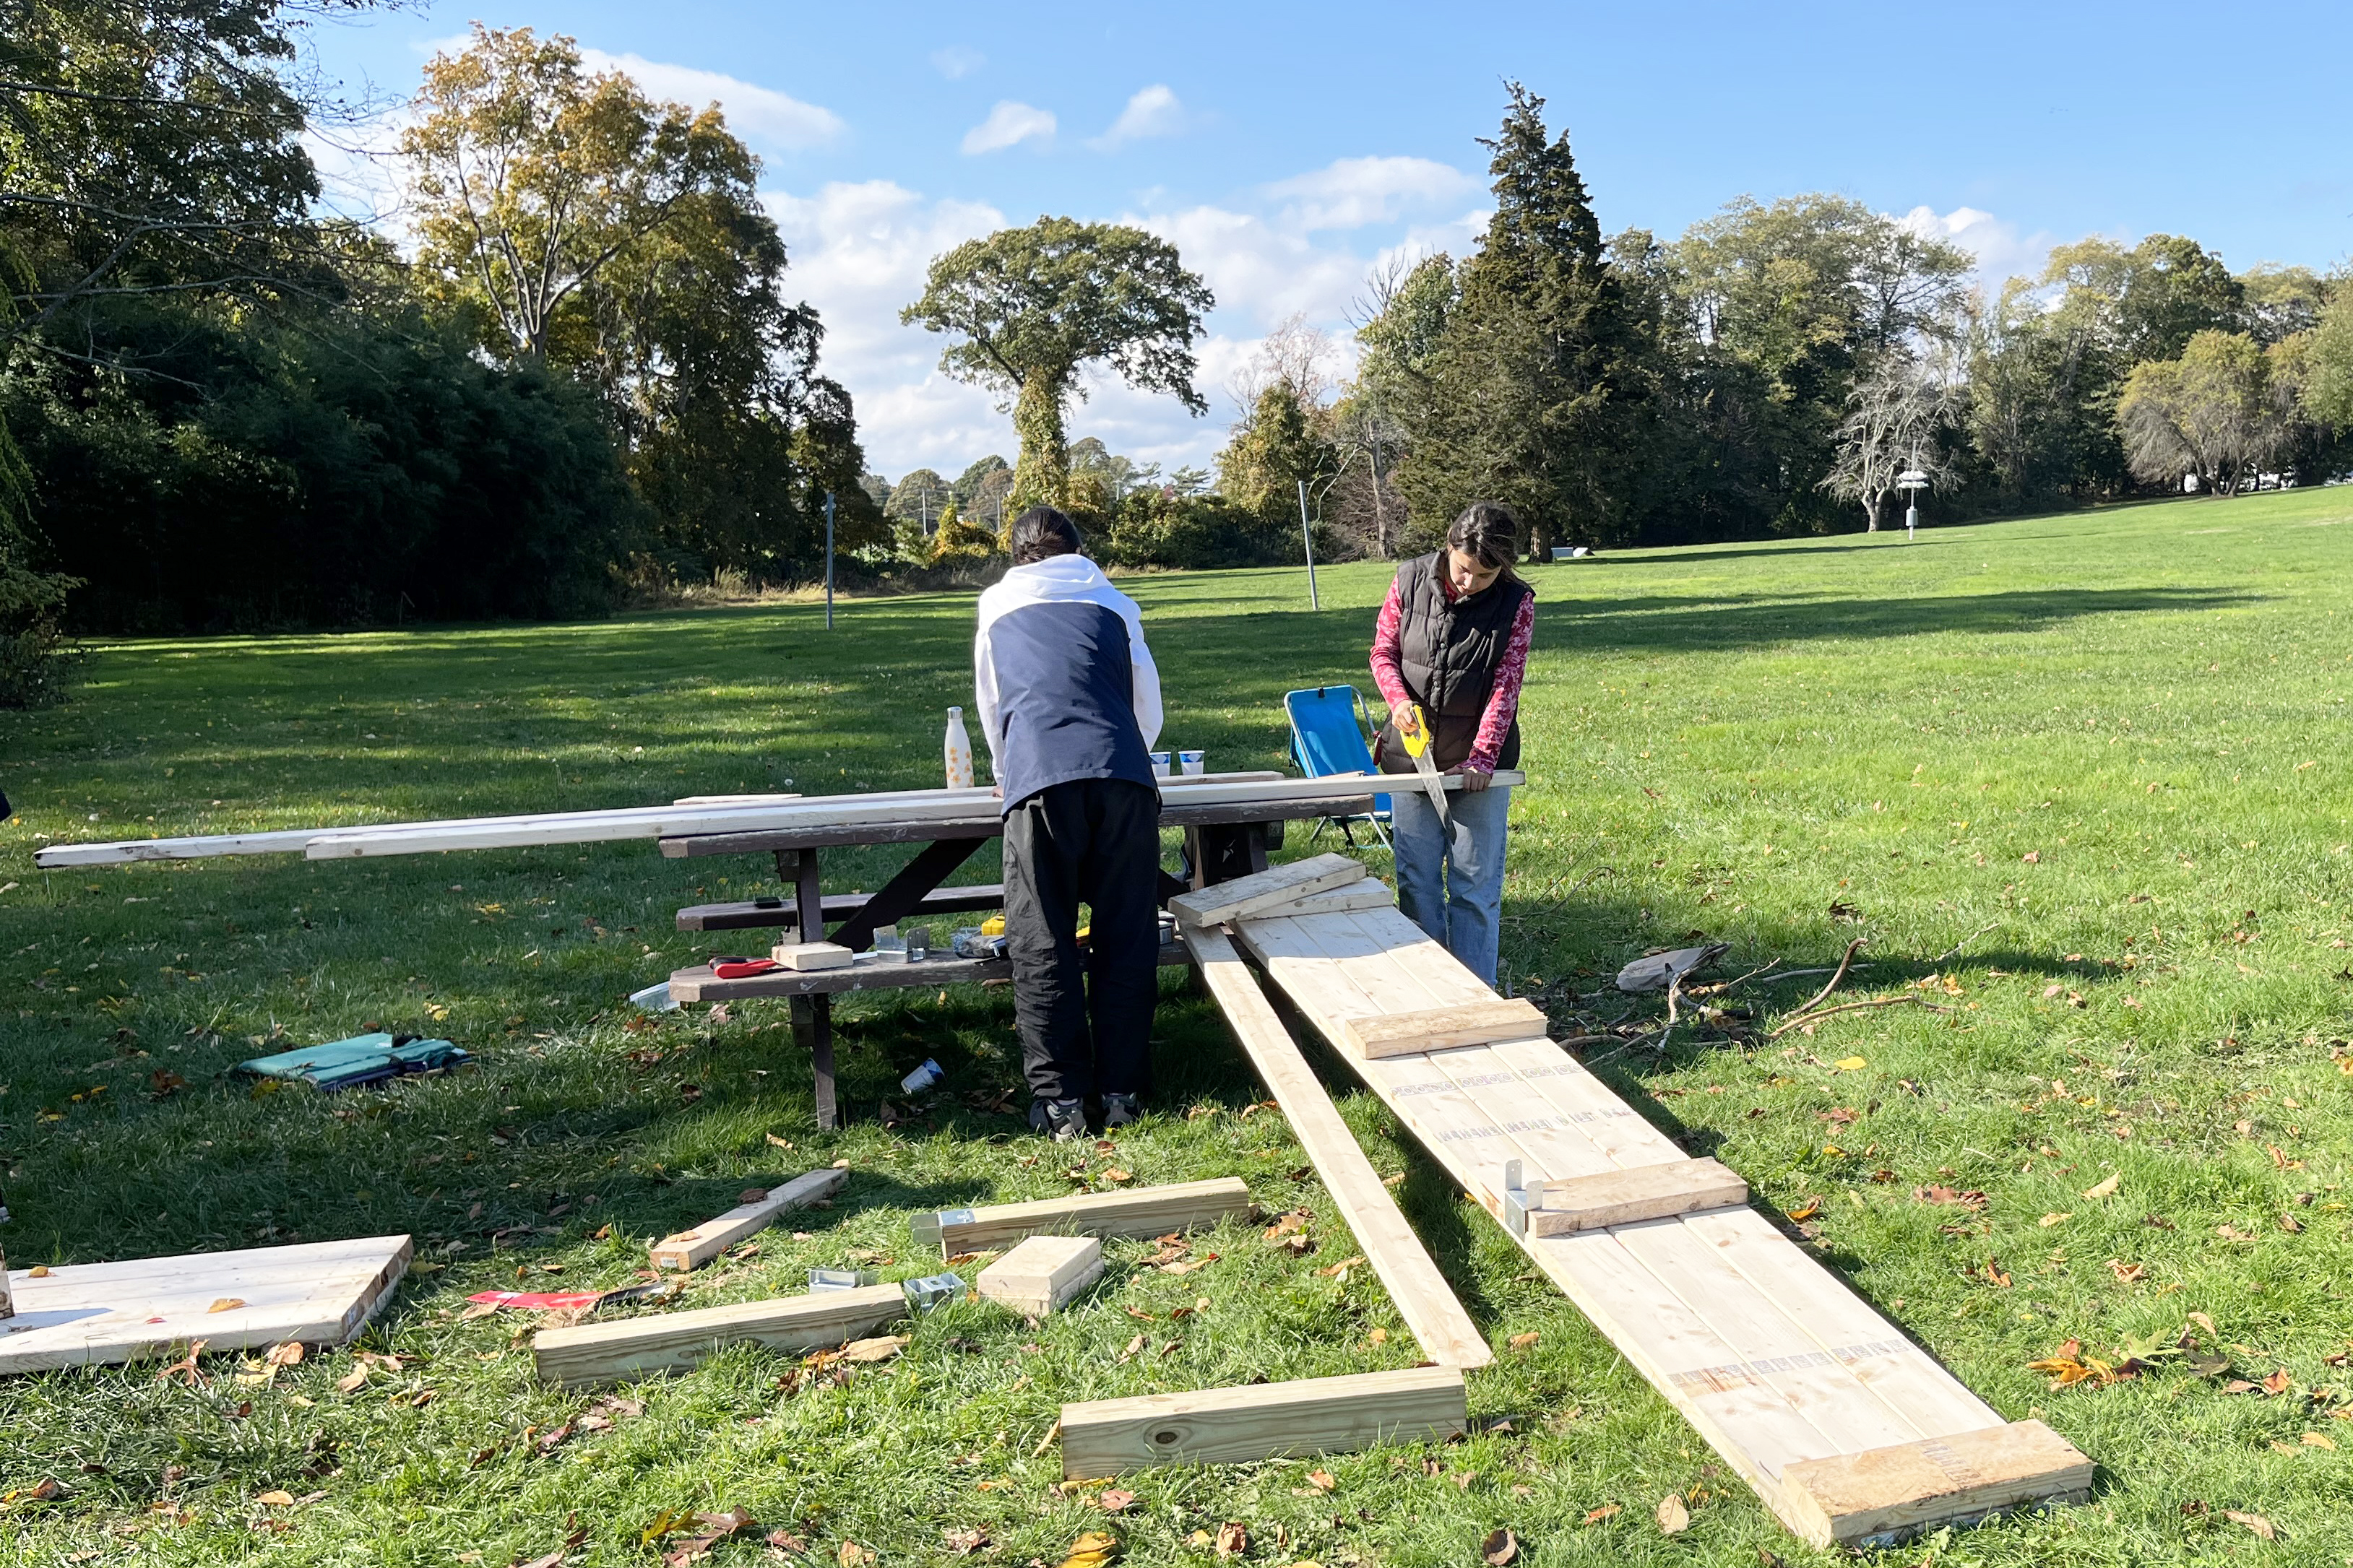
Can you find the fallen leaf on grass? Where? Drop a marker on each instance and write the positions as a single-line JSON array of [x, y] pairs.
[[1092, 1550], [2047, 1221], [1806, 1210], [881, 1348], [1526, 1341], [1288, 1224], [1607, 1510], [2277, 1384], [2318, 1440], [1115, 1500], [1674, 1517], [1850, 1064], [2254, 1522], [2130, 1273], [1232, 1541], [962, 1542], [2105, 1189], [1499, 1547], [1970, 1199], [185, 1369], [276, 1499], [1340, 1270], [1189, 1265], [716, 1528], [1321, 1480]]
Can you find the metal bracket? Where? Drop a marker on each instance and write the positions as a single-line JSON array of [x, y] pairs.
[[1515, 1199]]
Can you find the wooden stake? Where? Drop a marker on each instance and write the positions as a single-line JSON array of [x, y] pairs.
[[675, 1341], [1264, 1421], [692, 1249]]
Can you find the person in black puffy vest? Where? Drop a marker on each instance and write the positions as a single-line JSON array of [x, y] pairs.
[[1452, 640]]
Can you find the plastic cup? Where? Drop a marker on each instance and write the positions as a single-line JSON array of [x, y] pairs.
[[922, 1079], [1194, 762], [1160, 764]]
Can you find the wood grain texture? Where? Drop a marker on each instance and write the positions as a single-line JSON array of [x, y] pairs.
[[675, 1341], [1043, 1274], [1882, 1496], [690, 1249], [1232, 900], [1371, 893], [84, 1314], [1646, 1192], [1146, 1211], [1420, 1293], [1443, 1029], [811, 957], [1264, 1421]]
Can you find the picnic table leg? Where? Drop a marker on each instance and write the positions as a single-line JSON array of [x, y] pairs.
[[813, 1016], [903, 892]]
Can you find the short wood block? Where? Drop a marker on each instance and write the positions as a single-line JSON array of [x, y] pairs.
[[1147, 1211], [1883, 1496], [1277, 884], [676, 1342], [1370, 893], [1264, 1421], [1445, 1028], [1042, 1274], [693, 1248], [808, 955], [1645, 1192]]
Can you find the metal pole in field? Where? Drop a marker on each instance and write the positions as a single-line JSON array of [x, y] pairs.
[[828, 561], [1308, 540]]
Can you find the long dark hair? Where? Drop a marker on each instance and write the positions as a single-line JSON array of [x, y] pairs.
[[1490, 534]]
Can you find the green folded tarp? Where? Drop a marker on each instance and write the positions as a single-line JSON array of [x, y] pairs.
[[362, 1058]]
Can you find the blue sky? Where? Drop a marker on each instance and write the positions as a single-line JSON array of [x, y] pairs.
[[1288, 149]]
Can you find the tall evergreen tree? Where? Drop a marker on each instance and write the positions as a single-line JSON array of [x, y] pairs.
[[1534, 395]]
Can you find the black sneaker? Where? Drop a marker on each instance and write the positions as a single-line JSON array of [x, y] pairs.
[[1119, 1109], [1064, 1119]]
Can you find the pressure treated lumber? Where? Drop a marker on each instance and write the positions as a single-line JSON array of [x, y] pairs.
[[1772, 1359], [1620, 1197], [690, 1249], [811, 957], [1146, 1211], [1043, 1274], [1442, 1028], [677, 1342], [1422, 1298], [1370, 893], [1277, 884], [84, 1314], [1264, 1421], [1881, 1497]]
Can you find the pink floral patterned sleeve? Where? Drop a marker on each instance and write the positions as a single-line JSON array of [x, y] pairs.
[[1504, 700], [1389, 674]]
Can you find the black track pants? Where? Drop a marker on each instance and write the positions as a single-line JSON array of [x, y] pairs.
[[1096, 842]]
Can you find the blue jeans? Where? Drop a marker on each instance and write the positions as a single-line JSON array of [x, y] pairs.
[[1451, 877]]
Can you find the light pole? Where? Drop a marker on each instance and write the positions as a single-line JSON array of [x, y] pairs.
[[828, 561], [1308, 539]]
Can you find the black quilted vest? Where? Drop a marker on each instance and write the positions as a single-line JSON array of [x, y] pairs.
[[1449, 649]]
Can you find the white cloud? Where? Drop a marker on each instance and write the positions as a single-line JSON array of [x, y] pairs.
[[1153, 112], [1350, 192], [1008, 125], [1259, 269], [957, 61], [2002, 253], [758, 114]]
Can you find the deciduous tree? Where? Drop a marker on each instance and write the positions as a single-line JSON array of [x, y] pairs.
[[1031, 308]]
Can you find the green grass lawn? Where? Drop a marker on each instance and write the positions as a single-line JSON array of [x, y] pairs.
[[2100, 755]]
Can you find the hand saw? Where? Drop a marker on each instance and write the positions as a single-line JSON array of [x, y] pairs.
[[1412, 730]]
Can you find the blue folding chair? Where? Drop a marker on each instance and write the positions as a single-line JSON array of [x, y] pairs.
[[1328, 728]]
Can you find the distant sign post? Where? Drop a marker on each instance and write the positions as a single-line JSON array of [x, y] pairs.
[[1911, 481]]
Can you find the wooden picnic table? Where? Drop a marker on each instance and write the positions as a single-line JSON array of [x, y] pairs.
[[1222, 840]]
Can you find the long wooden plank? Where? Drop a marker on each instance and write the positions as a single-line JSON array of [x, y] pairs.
[[1565, 1206], [676, 1342], [1883, 1496], [1442, 1028], [1774, 1362], [1277, 884], [867, 972], [690, 1249], [1264, 1421], [97, 1314], [1370, 893], [1146, 1211], [1423, 1299]]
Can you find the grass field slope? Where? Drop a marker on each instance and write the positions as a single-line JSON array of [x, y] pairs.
[[2081, 782]]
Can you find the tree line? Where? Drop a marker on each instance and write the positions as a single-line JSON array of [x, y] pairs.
[[225, 408]]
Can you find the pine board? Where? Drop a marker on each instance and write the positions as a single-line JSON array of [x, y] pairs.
[[674, 1341], [1264, 1421], [84, 1314], [1146, 1211], [690, 1249], [1772, 1360]]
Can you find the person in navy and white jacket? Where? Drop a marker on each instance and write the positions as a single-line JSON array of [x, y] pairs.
[[1069, 702]]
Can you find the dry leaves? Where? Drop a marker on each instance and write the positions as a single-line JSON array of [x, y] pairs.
[[1526, 1341], [714, 1527], [1115, 1500], [1674, 1517], [1500, 1548], [1232, 1541], [2254, 1522], [1971, 1199], [2105, 1189], [227, 1304], [1321, 1480], [1339, 1271], [1607, 1510]]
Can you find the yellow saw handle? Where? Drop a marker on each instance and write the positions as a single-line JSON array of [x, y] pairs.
[[1412, 730]]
